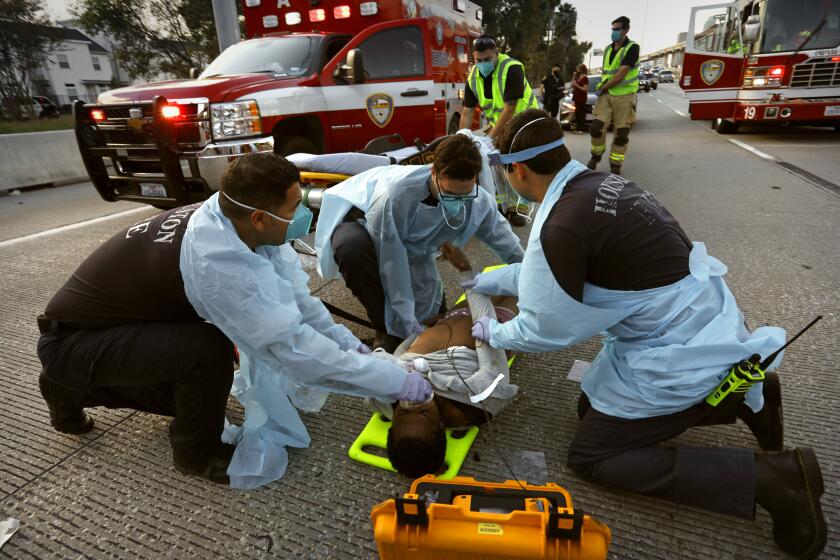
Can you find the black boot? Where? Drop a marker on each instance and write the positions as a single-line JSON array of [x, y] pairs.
[[593, 162], [213, 467], [386, 341], [615, 169], [66, 415], [767, 425], [789, 485]]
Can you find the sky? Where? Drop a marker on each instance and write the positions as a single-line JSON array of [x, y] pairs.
[[654, 24]]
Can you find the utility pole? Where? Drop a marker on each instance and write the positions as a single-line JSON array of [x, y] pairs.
[[227, 23]]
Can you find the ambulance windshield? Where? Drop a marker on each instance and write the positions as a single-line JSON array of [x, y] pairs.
[[281, 56], [790, 25]]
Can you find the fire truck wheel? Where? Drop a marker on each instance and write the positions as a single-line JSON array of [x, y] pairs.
[[724, 126], [294, 145]]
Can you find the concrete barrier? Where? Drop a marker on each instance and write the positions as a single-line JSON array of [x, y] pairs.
[[38, 158]]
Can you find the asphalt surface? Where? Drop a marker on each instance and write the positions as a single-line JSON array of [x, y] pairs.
[[114, 493]]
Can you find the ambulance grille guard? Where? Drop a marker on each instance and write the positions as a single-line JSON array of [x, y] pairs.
[[817, 72], [132, 144]]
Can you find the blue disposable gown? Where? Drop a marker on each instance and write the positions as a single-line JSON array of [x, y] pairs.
[[261, 301], [407, 234], [665, 349]]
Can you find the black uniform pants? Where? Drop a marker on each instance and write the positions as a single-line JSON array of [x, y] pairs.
[[552, 106], [580, 116], [183, 370], [623, 454], [355, 254]]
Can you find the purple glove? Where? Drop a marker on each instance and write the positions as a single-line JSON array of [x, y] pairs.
[[470, 283], [415, 389], [481, 329], [363, 348]]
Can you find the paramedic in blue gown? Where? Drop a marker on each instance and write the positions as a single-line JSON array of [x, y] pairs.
[[149, 321], [381, 230], [604, 256]]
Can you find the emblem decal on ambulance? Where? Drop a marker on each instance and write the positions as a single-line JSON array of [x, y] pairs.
[[380, 109], [711, 71]]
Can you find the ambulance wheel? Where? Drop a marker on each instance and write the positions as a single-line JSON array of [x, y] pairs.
[[294, 145], [724, 126], [453, 125]]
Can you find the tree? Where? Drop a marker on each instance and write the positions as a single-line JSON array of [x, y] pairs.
[[26, 39], [540, 33], [154, 36]]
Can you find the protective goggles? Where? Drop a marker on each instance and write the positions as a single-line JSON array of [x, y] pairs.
[[449, 196]]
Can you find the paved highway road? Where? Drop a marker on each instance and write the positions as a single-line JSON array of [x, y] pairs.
[[114, 494]]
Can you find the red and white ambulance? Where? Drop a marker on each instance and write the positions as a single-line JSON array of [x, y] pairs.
[[764, 61], [315, 76]]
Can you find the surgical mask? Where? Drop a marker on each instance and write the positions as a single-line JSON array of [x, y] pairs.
[[616, 35], [486, 68], [301, 222], [298, 226], [452, 205]]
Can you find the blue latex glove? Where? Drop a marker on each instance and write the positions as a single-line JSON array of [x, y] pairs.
[[415, 389], [470, 283], [481, 329], [363, 348]]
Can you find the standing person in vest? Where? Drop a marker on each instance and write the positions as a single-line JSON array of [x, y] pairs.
[[616, 97], [498, 85]]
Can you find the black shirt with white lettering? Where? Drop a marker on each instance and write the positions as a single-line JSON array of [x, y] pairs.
[[134, 277], [610, 232]]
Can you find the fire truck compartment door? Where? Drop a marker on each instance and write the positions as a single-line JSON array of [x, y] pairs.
[[397, 95], [714, 61]]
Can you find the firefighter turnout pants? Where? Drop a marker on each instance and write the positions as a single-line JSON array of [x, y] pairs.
[[620, 110]]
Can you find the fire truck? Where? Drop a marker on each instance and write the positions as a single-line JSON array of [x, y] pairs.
[[764, 61], [315, 76]]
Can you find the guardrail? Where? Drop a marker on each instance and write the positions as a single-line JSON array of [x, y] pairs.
[[40, 158]]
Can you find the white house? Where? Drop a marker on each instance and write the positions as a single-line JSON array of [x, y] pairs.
[[78, 68]]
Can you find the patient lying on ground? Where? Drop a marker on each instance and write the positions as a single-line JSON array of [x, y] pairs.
[[417, 438]]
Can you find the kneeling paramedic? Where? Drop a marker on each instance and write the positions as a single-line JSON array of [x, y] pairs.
[[149, 320], [382, 230], [605, 255]]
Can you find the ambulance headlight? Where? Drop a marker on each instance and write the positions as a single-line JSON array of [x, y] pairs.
[[293, 18], [235, 119]]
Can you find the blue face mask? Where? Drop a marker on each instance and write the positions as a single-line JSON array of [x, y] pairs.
[[298, 226], [616, 35], [301, 222], [452, 205], [486, 68]]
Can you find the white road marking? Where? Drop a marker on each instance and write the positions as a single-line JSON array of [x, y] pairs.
[[659, 101], [680, 113], [755, 151], [68, 227], [802, 145]]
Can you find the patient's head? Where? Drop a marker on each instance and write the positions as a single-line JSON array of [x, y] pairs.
[[417, 440]]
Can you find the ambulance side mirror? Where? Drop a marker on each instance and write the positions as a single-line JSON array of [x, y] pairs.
[[353, 70], [194, 73], [751, 28]]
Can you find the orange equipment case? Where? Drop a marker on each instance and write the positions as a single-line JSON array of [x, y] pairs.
[[466, 519]]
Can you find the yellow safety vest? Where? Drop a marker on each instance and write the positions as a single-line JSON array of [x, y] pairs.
[[630, 84], [493, 106]]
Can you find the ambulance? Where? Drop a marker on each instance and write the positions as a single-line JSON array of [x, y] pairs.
[[314, 76], [764, 61]]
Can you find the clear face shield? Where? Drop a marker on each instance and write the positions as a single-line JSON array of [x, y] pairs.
[[497, 158]]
